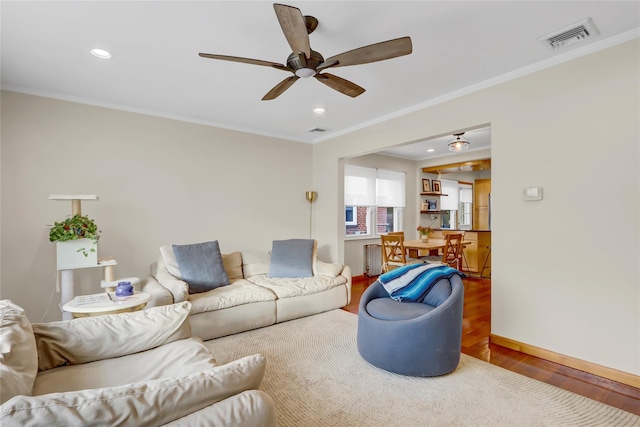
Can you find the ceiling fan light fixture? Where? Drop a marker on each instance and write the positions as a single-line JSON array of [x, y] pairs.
[[459, 143], [305, 62], [305, 72]]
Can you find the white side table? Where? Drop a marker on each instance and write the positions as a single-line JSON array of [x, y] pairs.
[[66, 282], [135, 302]]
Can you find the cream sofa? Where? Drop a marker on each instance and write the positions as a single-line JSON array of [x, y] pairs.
[[130, 369], [252, 299]]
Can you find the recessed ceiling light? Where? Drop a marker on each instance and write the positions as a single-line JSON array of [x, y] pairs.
[[319, 110], [101, 53], [431, 150]]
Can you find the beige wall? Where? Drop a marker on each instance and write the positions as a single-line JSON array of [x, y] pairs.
[[560, 280], [159, 181]]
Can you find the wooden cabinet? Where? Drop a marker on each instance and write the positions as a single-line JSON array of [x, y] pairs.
[[470, 258], [478, 253], [481, 204]]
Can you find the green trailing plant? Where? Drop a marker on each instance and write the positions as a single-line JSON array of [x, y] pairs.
[[73, 228]]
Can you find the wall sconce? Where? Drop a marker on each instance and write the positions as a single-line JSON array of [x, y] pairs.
[[311, 197]]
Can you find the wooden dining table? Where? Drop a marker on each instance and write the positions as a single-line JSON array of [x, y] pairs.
[[413, 247]]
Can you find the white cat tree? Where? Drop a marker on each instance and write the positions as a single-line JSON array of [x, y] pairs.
[[66, 274]]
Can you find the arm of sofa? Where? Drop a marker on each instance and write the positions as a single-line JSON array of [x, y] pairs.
[[346, 273], [335, 270], [159, 294], [179, 288]]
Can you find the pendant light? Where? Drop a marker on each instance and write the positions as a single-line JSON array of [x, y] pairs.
[[459, 143]]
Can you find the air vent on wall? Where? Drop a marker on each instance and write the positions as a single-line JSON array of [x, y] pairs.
[[572, 34]]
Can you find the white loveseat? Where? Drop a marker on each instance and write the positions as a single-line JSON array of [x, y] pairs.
[[130, 369], [253, 299]]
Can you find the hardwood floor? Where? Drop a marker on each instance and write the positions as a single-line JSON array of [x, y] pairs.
[[476, 328]]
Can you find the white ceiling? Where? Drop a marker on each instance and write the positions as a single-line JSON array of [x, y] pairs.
[[479, 139], [457, 47]]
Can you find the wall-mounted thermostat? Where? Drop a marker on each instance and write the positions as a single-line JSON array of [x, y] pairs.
[[532, 193]]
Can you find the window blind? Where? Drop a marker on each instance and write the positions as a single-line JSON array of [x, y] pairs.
[[373, 187], [450, 202], [466, 194]]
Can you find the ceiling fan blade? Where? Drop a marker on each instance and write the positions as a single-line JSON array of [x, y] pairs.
[[326, 64], [372, 53], [246, 61], [294, 28], [340, 84], [280, 88]]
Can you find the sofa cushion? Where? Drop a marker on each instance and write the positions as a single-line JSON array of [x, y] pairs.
[[255, 262], [87, 339], [293, 287], [250, 408], [292, 258], [233, 266], [238, 293], [232, 263], [201, 266], [176, 359], [137, 404], [18, 354], [390, 309]]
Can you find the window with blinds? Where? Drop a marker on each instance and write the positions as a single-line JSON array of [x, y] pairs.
[[374, 201]]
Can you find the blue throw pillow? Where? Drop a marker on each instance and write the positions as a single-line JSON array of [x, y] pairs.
[[201, 266], [291, 258]]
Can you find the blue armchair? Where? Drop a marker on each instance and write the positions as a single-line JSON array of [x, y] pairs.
[[412, 338]]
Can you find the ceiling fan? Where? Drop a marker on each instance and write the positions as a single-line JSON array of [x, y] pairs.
[[304, 62]]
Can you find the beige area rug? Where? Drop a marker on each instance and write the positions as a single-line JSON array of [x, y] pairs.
[[317, 378]]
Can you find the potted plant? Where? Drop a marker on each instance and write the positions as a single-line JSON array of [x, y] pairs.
[[76, 242], [424, 232]]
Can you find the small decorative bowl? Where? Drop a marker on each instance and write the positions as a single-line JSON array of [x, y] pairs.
[[123, 290]]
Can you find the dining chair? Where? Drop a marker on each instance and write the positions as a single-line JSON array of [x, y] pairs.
[[393, 252], [452, 252]]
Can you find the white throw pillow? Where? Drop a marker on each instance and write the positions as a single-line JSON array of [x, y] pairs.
[[327, 269], [18, 353], [170, 260], [149, 403], [255, 263]]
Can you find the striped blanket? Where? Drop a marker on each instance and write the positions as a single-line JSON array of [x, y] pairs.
[[412, 282]]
